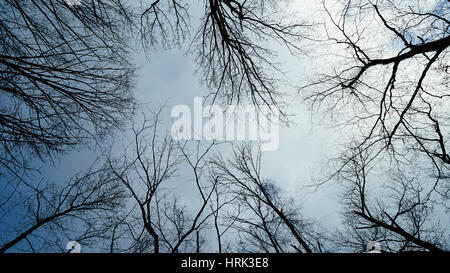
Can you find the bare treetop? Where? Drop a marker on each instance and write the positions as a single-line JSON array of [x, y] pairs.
[[65, 75]]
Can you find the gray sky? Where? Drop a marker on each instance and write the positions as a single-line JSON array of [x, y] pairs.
[[167, 76]]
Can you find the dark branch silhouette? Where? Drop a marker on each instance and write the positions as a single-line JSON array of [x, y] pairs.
[[65, 76]]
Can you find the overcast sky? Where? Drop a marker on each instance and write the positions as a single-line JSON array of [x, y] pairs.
[[171, 77], [168, 76]]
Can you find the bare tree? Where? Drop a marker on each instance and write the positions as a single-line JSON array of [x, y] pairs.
[[392, 89], [225, 209], [232, 52], [230, 45], [42, 216], [263, 218], [389, 88], [143, 170], [164, 22], [402, 212], [65, 76], [146, 169], [66, 80]]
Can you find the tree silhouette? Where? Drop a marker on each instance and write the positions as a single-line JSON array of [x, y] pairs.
[[390, 90], [161, 223], [49, 211], [65, 76], [230, 43], [395, 208], [264, 220]]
